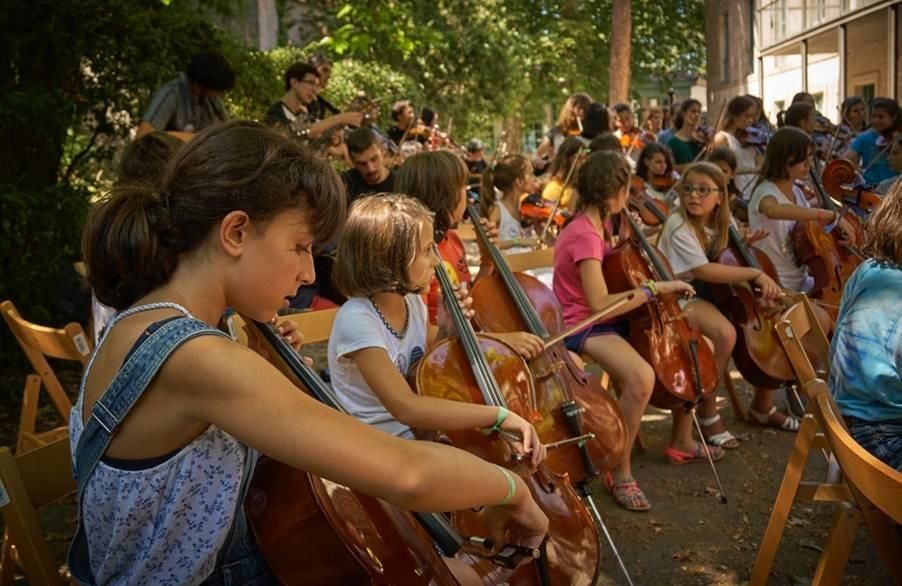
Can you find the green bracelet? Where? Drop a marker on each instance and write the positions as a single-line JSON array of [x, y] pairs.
[[511, 486], [502, 415]]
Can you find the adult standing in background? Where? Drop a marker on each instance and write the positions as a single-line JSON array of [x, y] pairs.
[[192, 101], [569, 123]]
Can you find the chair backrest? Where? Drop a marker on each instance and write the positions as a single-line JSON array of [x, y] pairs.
[[872, 478], [532, 259], [29, 482], [315, 326], [804, 341], [39, 342]]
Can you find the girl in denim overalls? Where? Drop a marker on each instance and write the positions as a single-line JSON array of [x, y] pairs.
[[171, 413]]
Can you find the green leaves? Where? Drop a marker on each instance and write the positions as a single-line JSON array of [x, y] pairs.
[[479, 59]]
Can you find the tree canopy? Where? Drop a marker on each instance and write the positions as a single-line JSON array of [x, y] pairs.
[[77, 74]]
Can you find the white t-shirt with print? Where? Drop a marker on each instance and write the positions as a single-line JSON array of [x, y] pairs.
[[358, 326], [777, 244]]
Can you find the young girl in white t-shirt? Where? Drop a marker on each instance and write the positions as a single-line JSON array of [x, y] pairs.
[[694, 235], [385, 262], [777, 204]]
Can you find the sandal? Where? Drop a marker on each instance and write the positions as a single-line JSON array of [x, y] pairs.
[[724, 439], [679, 457], [789, 422], [627, 494]]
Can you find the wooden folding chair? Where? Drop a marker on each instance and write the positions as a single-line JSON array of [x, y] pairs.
[[315, 326], [797, 330], [542, 258], [876, 487], [27, 483], [38, 343]]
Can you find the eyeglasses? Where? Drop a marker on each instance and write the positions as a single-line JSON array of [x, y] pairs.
[[703, 191]]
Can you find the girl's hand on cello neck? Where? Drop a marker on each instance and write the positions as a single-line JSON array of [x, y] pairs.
[[289, 332], [443, 317], [751, 236]]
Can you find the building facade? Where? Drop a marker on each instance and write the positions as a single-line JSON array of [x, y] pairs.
[[831, 49]]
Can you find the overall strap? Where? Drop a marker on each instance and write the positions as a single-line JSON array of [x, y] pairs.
[[128, 386], [114, 405]]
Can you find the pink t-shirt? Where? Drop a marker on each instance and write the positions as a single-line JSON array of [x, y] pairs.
[[578, 241]]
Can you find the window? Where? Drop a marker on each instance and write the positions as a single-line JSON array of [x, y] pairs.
[[867, 92], [818, 100], [725, 47]]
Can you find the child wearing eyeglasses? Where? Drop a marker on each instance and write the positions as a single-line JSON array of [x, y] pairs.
[[692, 239]]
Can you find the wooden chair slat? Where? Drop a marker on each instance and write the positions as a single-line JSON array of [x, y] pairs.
[[30, 481], [315, 326], [38, 342], [533, 259], [875, 480]]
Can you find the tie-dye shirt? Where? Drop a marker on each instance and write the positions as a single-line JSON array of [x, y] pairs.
[[866, 352]]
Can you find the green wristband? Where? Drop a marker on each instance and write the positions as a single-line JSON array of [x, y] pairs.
[[511, 486], [502, 415]]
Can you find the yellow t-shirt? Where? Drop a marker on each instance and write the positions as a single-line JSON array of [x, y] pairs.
[[552, 192]]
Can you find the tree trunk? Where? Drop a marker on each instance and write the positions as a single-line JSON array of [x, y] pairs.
[[621, 31]]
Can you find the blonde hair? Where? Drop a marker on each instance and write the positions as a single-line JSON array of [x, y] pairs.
[[436, 178], [722, 217], [883, 234], [378, 244]]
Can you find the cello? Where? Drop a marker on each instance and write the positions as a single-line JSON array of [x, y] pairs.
[[357, 539], [653, 212], [830, 261], [569, 400], [685, 370], [476, 369], [758, 354], [842, 182]]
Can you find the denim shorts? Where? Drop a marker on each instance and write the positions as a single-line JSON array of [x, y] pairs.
[[881, 438], [576, 342]]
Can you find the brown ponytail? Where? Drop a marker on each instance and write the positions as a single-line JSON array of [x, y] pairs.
[[506, 172], [134, 237]]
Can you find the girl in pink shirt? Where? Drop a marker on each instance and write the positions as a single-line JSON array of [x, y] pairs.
[[579, 285]]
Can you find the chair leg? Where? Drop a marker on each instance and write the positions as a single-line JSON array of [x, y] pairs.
[[29, 413], [839, 545], [7, 563], [764, 561], [739, 411]]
